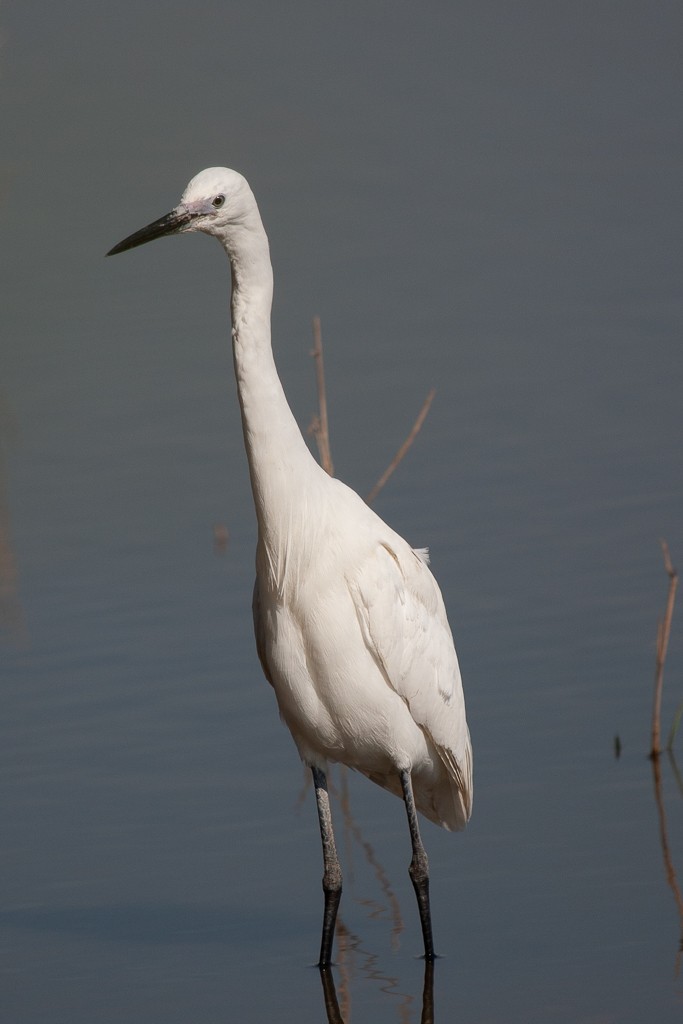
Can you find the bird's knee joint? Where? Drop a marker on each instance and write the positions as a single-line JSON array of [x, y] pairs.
[[419, 869], [332, 881]]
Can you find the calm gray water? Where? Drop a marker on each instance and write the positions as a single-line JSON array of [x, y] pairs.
[[480, 197]]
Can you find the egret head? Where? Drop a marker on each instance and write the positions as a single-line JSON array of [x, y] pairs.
[[215, 199]]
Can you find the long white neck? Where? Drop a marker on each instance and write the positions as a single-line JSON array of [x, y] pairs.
[[280, 464]]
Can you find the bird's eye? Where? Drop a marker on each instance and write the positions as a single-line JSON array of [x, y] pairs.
[[218, 201]]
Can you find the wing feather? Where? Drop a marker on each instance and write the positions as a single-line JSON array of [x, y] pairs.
[[403, 621]]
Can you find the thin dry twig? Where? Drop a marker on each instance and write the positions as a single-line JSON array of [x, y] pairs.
[[666, 852], [404, 447], [319, 426], [355, 832], [663, 633]]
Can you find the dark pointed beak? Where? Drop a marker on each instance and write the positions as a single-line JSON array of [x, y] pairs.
[[169, 224]]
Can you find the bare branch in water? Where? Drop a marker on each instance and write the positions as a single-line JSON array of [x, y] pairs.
[[663, 633], [404, 447], [666, 851]]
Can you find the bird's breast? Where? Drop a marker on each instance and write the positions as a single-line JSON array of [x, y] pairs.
[[330, 690]]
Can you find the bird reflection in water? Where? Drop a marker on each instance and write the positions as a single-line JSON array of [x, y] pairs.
[[334, 1012]]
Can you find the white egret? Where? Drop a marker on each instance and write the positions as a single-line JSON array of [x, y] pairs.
[[350, 624]]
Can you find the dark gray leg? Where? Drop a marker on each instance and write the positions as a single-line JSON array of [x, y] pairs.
[[332, 877], [419, 867]]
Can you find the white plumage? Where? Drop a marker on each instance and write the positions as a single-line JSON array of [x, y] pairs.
[[360, 655], [350, 624]]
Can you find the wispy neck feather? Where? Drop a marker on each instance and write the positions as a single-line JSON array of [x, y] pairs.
[[280, 463]]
